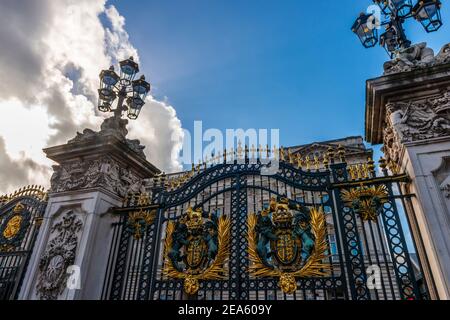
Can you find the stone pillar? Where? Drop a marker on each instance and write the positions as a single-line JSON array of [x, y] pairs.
[[408, 110], [95, 171]]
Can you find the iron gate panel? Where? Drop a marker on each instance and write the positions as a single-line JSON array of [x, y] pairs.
[[20, 218], [136, 266]]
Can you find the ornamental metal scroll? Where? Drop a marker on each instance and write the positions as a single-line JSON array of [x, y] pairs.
[[366, 201], [197, 248], [142, 217], [287, 241], [21, 215], [15, 222], [14, 227]]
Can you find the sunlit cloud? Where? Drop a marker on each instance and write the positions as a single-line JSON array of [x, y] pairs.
[[51, 55]]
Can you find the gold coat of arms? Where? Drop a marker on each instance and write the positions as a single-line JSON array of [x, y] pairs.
[[196, 248], [288, 241]]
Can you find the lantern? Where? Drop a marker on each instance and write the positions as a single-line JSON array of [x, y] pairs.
[[428, 13], [364, 27], [388, 40], [141, 88], [384, 6], [134, 107], [128, 70], [105, 99], [401, 7]]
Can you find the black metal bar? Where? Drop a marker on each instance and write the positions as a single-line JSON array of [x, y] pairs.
[[121, 263], [399, 251], [356, 270]]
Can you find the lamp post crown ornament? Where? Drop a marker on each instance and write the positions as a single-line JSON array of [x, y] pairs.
[[404, 56], [130, 93], [119, 93]]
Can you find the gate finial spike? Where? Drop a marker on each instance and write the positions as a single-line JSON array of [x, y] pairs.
[[371, 167], [326, 162], [300, 162], [308, 163], [316, 162], [383, 165], [282, 158], [330, 154], [341, 153]]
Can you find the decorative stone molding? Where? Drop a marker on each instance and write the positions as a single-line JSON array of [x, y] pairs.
[[445, 188], [392, 146], [418, 56], [104, 172], [59, 255], [415, 121]]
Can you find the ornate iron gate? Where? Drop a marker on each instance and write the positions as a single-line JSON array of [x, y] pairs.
[[20, 218], [229, 232]]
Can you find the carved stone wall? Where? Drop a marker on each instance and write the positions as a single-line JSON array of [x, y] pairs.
[[408, 110], [415, 121], [59, 255], [104, 172]]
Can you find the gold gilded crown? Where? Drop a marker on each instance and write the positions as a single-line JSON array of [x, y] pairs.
[[280, 211], [19, 208], [194, 218]]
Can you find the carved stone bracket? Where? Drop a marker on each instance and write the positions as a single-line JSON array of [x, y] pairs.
[[59, 255], [418, 56]]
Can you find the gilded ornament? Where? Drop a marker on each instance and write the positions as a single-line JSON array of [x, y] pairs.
[[288, 241], [197, 248], [366, 201], [138, 221], [288, 283], [191, 285], [12, 227]]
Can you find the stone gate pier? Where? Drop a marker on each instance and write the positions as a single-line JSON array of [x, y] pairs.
[[408, 110], [94, 171]]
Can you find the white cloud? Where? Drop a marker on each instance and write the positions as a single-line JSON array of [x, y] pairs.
[[52, 53]]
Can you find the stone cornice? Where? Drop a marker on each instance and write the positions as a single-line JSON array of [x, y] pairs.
[[402, 86], [103, 145]]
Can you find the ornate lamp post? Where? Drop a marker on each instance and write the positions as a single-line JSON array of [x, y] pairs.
[[396, 12], [131, 93]]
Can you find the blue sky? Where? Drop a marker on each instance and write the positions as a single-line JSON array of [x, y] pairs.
[[292, 65]]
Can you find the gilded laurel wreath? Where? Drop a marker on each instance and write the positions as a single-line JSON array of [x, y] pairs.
[[366, 201], [215, 271], [314, 266]]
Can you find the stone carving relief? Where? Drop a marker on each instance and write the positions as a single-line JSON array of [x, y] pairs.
[[444, 55], [414, 121], [420, 120], [442, 177], [445, 187], [416, 57], [392, 145], [103, 172], [59, 255]]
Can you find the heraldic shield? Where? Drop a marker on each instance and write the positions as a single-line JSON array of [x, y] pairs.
[[197, 248], [288, 241]]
